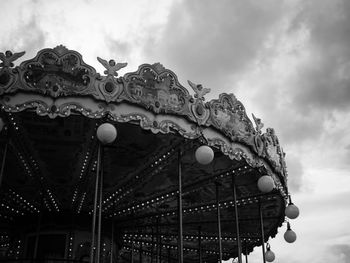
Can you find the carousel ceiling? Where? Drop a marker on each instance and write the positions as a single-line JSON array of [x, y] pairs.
[[52, 106]]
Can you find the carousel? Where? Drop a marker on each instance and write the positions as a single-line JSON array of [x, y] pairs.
[[134, 168]]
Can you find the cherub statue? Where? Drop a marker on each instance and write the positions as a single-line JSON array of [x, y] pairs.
[[259, 125], [111, 66], [8, 58], [199, 90]]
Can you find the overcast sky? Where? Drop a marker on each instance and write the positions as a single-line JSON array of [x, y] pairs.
[[287, 61]]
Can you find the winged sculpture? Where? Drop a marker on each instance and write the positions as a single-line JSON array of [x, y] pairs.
[[258, 123], [199, 90], [8, 58], [111, 66]]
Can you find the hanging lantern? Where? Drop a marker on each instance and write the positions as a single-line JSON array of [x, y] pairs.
[[291, 211], [290, 235], [269, 255], [204, 154], [266, 184], [106, 133]]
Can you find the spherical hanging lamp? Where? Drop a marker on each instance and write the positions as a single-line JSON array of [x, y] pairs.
[[269, 255], [290, 235], [291, 211], [266, 184], [204, 154], [106, 133]]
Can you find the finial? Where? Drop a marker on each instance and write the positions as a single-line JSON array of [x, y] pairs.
[[199, 90], [8, 58], [111, 66], [259, 125]]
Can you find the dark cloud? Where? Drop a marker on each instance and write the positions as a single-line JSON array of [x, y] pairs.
[[208, 42], [324, 83], [341, 252]]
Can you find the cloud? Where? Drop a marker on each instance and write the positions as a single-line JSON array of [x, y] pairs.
[[26, 36], [295, 172], [324, 82], [209, 42], [341, 253]]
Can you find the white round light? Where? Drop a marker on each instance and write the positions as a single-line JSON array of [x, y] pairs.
[[266, 184], [204, 154], [106, 133], [291, 211], [269, 256], [290, 235]]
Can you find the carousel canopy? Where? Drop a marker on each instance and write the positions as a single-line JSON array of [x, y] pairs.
[[51, 107]]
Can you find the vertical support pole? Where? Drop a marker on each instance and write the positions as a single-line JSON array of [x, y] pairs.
[[140, 253], [112, 242], [218, 220], [169, 255], [179, 238], [3, 162], [236, 219], [157, 240], [262, 231], [246, 252], [93, 231], [98, 254], [132, 250], [152, 249], [200, 244], [36, 245], [160, 246]]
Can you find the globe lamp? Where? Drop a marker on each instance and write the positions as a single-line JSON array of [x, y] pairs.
[[106, 133], [291, 211], [290, 235], [204, 154], [266, 184]]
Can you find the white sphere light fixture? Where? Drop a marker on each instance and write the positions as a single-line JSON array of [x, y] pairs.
[[291, 211], [204, 154], [269, 255], [290, 235], [266, 184], [106, 133]]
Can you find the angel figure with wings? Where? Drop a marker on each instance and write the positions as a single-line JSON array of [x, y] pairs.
[[199, 90], [8, 58], [111, 66]]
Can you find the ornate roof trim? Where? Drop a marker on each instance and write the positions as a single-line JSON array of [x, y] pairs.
[[61, 74]]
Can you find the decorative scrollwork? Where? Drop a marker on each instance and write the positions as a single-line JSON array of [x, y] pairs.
[[60, 74]]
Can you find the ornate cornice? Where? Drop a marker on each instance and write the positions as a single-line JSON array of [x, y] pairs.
[[57, 82]]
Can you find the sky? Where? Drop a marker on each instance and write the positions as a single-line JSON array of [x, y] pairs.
[[287, 61]]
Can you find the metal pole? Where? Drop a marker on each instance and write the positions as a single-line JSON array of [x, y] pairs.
[[112, 242], [236, 219], [157, 240], [36, 245], [219, 220], [140, 253], [98, 254], [179, 240], [200, 244], [246, 253], [262, 231], [92, 251], [3, 162], [132, 250], [152, 245]]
